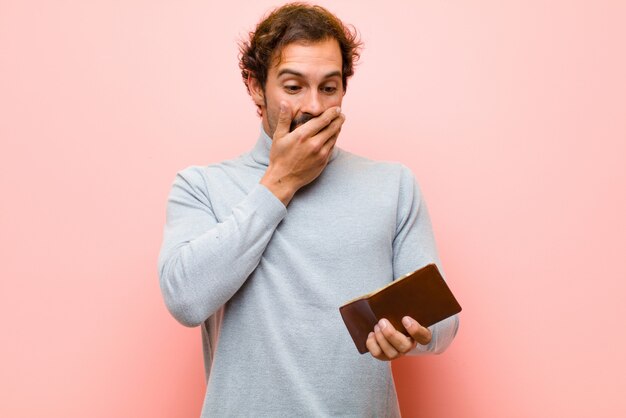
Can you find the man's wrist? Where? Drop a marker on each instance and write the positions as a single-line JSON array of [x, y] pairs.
[[281, 188]]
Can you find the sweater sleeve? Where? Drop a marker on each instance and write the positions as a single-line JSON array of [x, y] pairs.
[[203, 262], [414, 247]]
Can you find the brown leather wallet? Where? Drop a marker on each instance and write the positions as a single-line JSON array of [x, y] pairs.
[[422, 294]]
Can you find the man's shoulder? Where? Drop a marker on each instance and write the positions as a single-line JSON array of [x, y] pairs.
[[364, 164], [199, 172], [199, 179]]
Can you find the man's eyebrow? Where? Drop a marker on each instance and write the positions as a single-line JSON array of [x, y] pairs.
[[333, 74], [299, 74]]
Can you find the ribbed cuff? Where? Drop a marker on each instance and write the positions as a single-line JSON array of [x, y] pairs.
[[268, 206]]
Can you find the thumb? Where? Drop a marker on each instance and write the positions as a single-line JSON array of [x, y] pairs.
[[284, 120], [419, 333]]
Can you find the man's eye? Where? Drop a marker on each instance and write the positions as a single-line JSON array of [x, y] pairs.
[[292, 89], [329, 90]]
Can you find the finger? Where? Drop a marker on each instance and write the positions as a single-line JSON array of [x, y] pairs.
[[419, 333], [315, 125], [284, 120], [387, 348], [400, 342], [327, 148], [324, 140], [373, 347], [332, 130]]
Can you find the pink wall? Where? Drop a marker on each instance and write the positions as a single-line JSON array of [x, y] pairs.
[[512, 115]]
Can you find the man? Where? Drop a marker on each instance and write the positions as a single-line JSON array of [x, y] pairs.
[[261, 251]]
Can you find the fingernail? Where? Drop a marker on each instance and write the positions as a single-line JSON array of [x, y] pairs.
[[406, 321], [383, 323], [376, 328], [338, 110]]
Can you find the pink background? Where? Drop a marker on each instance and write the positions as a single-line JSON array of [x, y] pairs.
[[512, 114]]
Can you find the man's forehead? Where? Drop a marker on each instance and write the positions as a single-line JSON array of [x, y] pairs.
[[326, 54]]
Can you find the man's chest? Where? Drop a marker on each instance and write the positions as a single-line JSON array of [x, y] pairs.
[[337, 214]]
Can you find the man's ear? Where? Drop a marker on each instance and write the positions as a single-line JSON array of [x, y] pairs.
[[256, 91]]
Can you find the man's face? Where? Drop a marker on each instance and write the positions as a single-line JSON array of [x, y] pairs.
[[308, 77]]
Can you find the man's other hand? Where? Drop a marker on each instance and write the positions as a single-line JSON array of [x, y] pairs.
[[299, 157], [386, 343]]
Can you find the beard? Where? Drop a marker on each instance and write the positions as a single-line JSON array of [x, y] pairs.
[[300, 120]]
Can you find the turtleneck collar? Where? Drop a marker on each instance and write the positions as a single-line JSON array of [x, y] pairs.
[[261, 151]]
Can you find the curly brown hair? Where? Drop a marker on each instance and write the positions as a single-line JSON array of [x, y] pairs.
[[296, 22]]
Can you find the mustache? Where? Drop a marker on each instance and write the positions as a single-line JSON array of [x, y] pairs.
[[300, 120]]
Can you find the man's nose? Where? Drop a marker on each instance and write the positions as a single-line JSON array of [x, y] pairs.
[[312, 104]]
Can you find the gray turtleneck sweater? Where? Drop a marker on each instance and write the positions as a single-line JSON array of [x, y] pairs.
[[265, 282]]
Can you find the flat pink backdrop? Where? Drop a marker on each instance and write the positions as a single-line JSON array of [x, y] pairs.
[[511, 114]]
